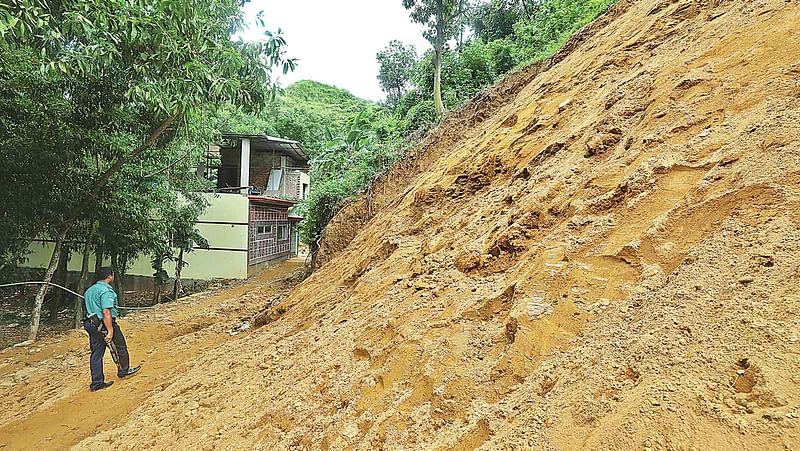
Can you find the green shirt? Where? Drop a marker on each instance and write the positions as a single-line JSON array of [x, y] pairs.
[[98, 297]]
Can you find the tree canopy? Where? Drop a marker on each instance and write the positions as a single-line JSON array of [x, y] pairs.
[[440, 19], [396, 66], [128, 87], [504, 35]]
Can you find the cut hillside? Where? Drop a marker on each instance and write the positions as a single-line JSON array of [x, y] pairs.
[[604, 257]]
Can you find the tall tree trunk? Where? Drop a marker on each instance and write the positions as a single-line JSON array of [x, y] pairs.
[[438, 49], [119, 263], [98, 259], [58, 298], [123, 273], [158, 267], [178, 268], [115, 269], [157, 293], [119, 282], [48, 277], [437, 81], [83, 279], [313, 250]]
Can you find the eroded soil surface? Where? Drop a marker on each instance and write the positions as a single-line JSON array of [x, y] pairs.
[[601, 252]]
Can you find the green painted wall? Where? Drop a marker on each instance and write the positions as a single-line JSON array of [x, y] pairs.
[[223, 224], [226, 208], [224, 236]]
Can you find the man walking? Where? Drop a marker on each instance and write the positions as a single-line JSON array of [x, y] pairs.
[[101, 324]]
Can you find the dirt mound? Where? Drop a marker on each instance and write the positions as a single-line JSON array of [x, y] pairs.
[[607, 257]]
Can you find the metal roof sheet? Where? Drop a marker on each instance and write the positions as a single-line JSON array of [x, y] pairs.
[[265, 143]]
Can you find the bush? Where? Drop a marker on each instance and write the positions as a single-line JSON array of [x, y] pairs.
[[347, 165], [421, 116], [504, 54], [553, 23]]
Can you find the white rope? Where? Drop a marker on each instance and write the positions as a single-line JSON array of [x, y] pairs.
[[68, 290], [42, 283]]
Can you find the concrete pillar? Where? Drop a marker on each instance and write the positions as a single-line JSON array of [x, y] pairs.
[[284, 174], [244, 165]]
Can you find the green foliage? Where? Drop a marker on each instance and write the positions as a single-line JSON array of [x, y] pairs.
[[21, 108], [495, 19], [396, 65], [348, 164], [464, 73], [507, 34], [552, 23], [172, 56], [303, 112], [504, 55], [439, 17], [421, 115]]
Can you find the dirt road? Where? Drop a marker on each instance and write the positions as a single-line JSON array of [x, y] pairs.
[[44, 398]]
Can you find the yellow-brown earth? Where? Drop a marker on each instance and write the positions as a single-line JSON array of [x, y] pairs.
[[601, 252]]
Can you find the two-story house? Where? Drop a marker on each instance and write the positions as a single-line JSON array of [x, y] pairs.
[[248, 222]]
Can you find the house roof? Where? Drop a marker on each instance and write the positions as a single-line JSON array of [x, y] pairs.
[[272, 201], [264, 143]]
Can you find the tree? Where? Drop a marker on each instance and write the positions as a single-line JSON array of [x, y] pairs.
[[440, 19], [464, 72], [184, 237], [163, 61], [495, 19], [396, 63], [83, 281], [29, 100]]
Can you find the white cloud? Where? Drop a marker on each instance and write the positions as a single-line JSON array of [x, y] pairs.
[[336, 41]]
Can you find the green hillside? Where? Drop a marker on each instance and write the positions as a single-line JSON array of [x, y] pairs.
[[303, 112]]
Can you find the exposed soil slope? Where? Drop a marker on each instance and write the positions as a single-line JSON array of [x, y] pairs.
[[607, 259]]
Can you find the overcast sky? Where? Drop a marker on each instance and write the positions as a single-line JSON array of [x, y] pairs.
[[336, 41]]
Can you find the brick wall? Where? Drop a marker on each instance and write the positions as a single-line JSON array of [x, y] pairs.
[[264, 242]]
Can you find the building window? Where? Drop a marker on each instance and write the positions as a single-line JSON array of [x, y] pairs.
[[283, 232], [275, 178], [263, 229]]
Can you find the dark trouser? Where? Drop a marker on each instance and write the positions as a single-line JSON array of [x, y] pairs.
[[97, 345]]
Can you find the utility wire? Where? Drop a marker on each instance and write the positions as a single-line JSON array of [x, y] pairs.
[[67, 290]]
